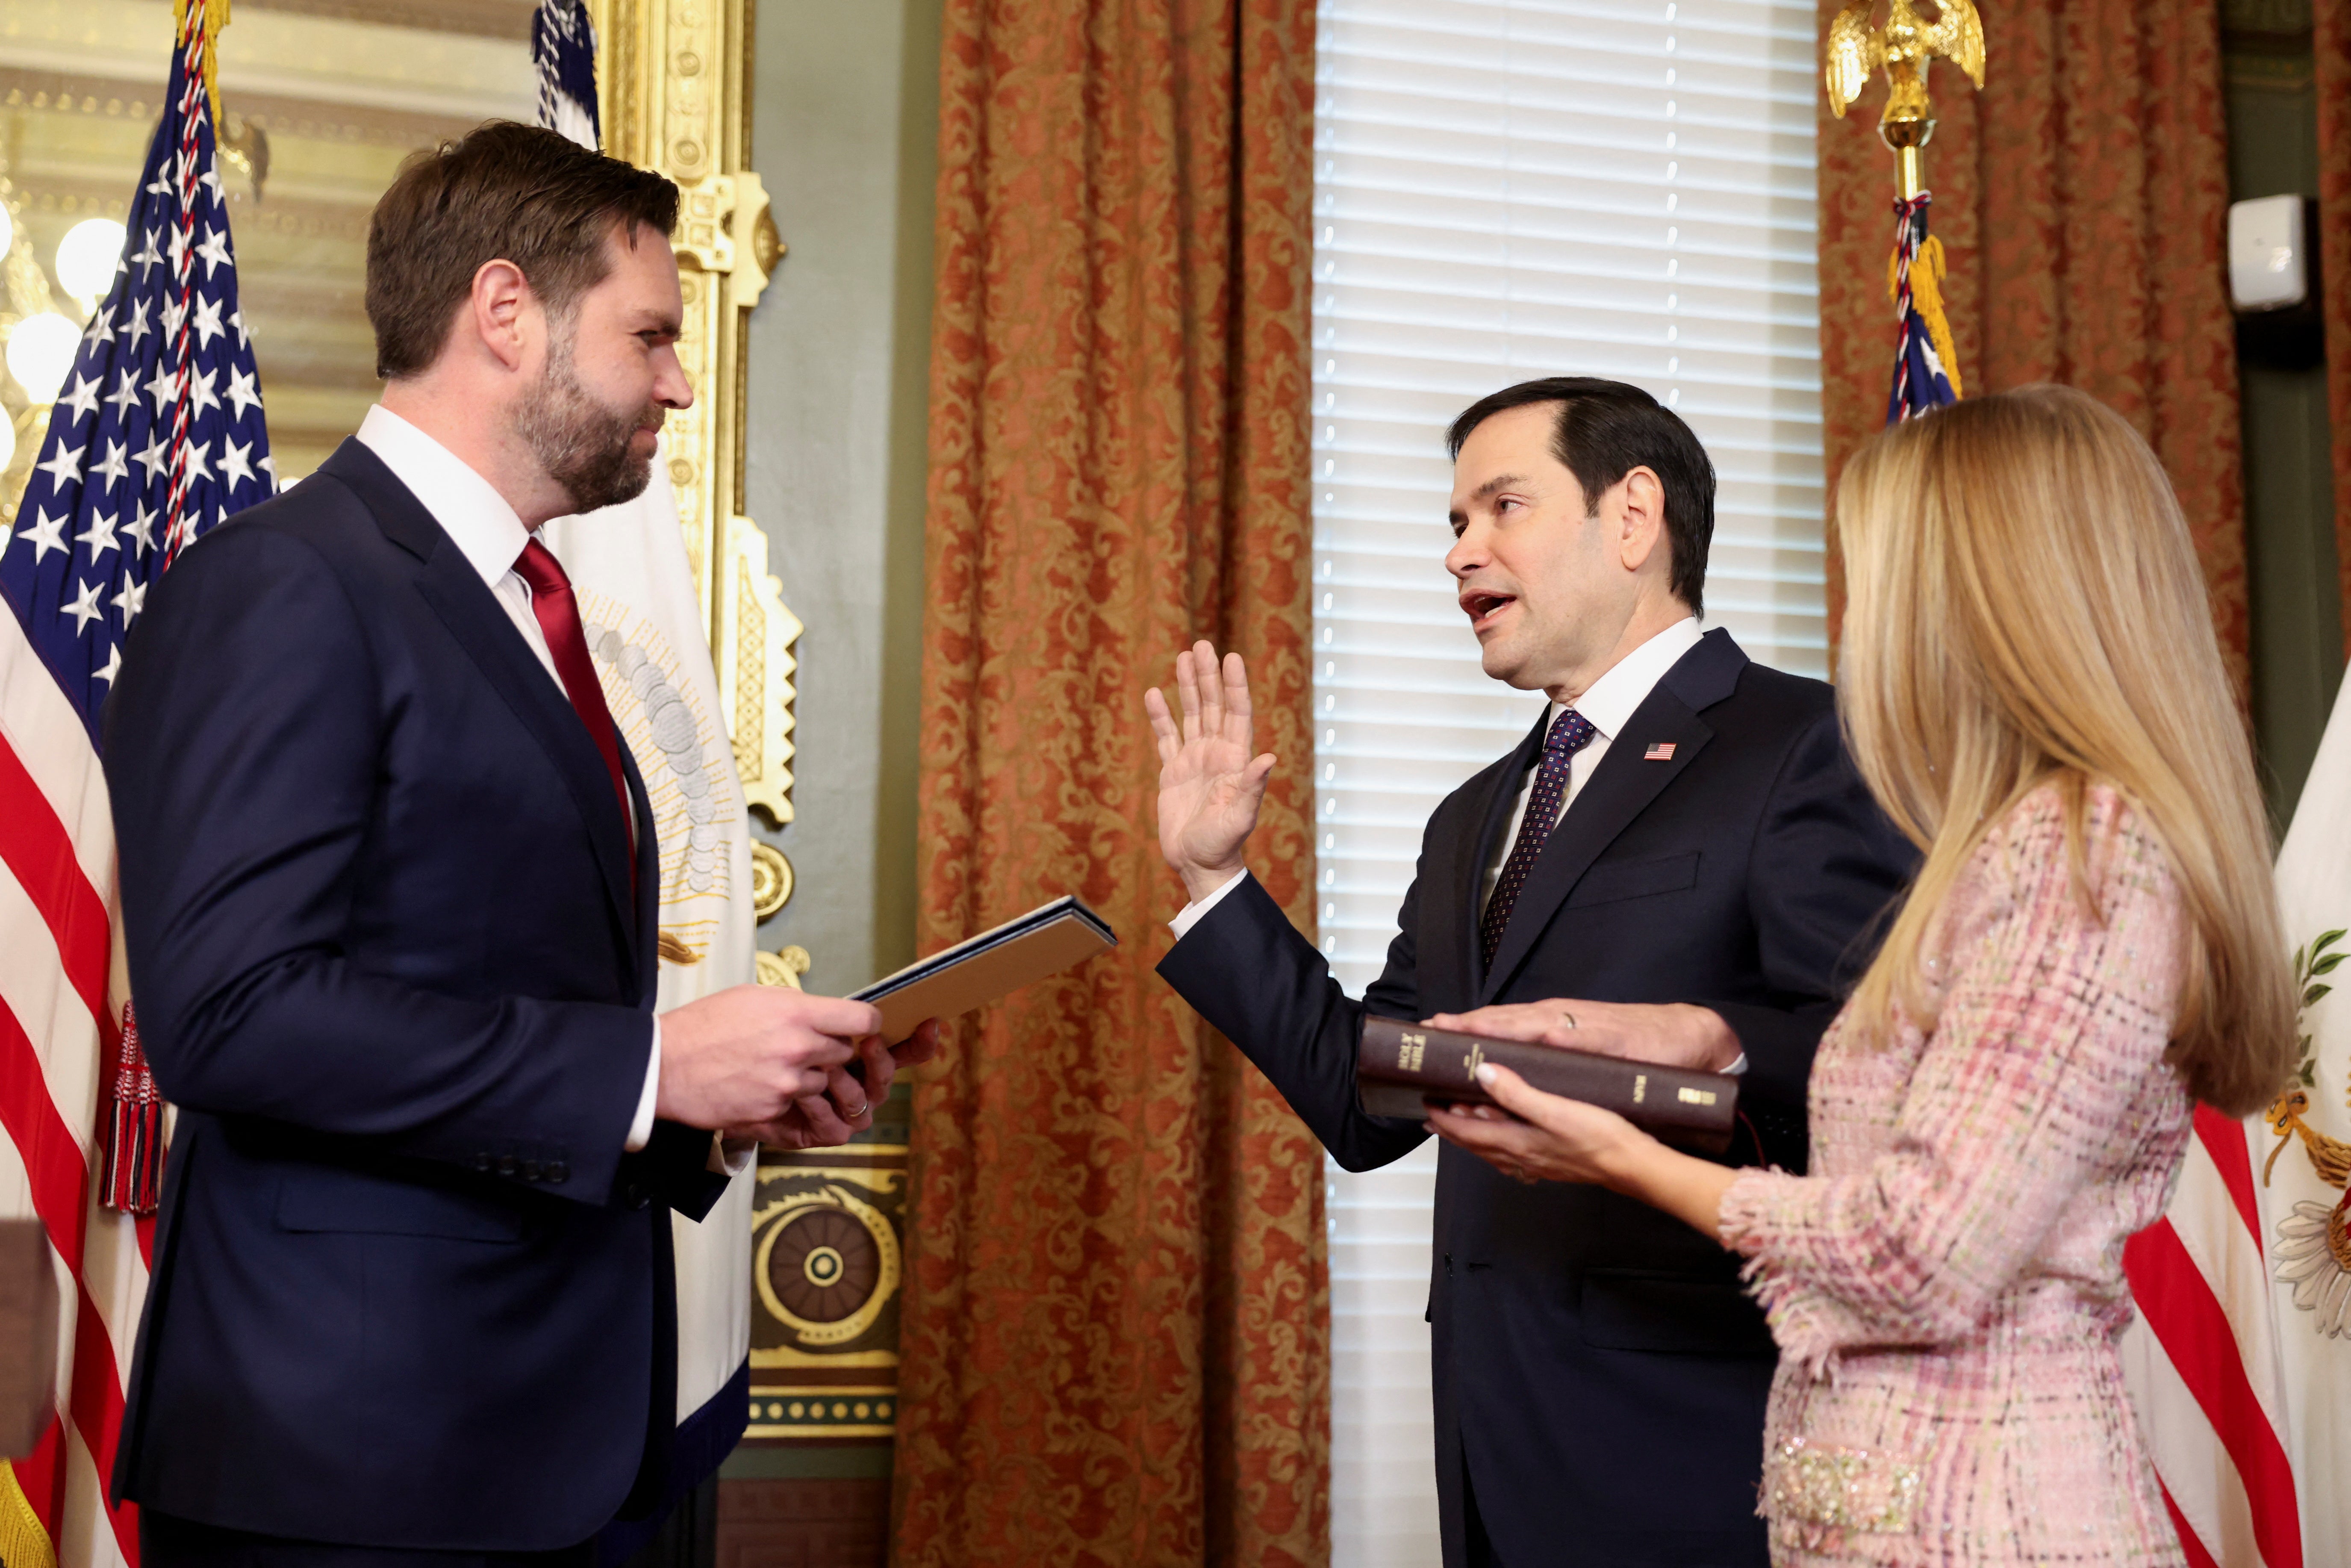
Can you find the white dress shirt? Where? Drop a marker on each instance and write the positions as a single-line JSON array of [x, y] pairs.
[[491, 538], [1606, 706]]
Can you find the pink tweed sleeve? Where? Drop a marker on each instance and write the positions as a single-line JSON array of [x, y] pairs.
[[2051, 1021]]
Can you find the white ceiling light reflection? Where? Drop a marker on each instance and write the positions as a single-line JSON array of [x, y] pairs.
[[40, 352], [86, 257]]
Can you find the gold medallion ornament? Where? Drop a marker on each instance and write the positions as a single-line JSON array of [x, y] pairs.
[[827, 1262], [2313, 1241], [771, 879], [827, 1266]]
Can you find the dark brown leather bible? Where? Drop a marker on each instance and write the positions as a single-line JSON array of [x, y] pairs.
[[1399, 1067]]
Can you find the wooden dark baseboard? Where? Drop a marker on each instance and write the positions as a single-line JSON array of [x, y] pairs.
[[804, 1523]]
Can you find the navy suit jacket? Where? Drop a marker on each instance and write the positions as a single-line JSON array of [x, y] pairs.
[[407, 1289], [1599, 1374]]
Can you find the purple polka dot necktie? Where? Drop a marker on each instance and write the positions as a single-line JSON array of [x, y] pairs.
[[1570, 733]]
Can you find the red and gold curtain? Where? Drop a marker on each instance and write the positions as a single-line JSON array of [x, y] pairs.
[[1115, 1347], [2083, 199], [2331, 45]]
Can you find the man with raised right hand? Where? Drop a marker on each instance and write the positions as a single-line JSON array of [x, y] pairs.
[[389, 884], [1678, 864]]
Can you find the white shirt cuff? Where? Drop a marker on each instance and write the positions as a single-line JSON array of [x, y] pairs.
[[1737, 1067], [641, 1129], [731, 1162], [1190, 913]]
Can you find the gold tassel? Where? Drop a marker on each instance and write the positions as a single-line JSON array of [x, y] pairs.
[[1927, 298], [22, 1543], [209, 17]]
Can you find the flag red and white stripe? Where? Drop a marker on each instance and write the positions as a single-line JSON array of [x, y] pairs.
[[60, 992], [2203, 1362], [164, 379]]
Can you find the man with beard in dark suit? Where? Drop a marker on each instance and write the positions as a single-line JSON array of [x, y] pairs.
[[389, 886]]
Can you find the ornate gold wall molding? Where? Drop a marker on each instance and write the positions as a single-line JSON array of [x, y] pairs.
[[828, 1238], [673, 82]]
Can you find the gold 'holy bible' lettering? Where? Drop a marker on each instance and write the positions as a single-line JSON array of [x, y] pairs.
[[1697, 1096], [1408, 1053], [1640, 1086]]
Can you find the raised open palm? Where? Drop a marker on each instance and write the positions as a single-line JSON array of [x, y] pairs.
[[1209, 783]]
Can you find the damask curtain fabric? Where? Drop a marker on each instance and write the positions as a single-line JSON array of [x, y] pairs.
[[2082, 197], [1115, 1338], [2331, 45]]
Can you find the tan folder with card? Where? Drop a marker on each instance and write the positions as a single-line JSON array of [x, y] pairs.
[[973, 973]]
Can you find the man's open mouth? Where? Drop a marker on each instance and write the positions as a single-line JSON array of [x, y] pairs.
[[1481, 604]]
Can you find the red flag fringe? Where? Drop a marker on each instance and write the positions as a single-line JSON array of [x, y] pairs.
[[130, 1175]]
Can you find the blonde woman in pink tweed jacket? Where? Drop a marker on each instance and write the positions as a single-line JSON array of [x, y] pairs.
[[2033, 689]]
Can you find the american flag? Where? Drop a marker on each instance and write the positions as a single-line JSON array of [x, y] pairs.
[[563, 54], [156, 436]]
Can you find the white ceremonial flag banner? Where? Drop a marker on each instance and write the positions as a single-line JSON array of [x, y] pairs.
[[646, 629], [2240, 1361], [2304, 1203]]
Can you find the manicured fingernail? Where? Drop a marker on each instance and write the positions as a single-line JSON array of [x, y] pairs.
[[1485, 1074]]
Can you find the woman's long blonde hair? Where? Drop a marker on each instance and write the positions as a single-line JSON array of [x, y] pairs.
[[2025, 606]]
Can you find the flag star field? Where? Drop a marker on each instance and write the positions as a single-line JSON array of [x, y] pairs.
[[157, 433]]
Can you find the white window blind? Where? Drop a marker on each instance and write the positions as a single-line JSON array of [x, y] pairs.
[[1620, 188]]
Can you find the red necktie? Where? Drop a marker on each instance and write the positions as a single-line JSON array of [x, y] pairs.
[[558, 619]]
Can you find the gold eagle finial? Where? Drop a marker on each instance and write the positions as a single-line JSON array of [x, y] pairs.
[[1904, 46]]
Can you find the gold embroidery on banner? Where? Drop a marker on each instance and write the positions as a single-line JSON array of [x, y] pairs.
[[2314, 1239]]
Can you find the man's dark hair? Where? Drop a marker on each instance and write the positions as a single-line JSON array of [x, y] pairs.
[[501, 192], [1607, 429]]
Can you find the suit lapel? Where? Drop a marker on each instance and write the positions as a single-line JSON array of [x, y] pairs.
[[648, 921], [449, 583], [1619, 789]]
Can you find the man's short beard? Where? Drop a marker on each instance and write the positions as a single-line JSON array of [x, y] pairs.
[[583, 445]]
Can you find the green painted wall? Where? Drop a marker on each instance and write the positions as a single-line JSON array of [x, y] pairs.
[[845, 133], [2297, 630]]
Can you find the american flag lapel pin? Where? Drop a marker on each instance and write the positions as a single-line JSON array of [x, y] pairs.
[[1661, 751]]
